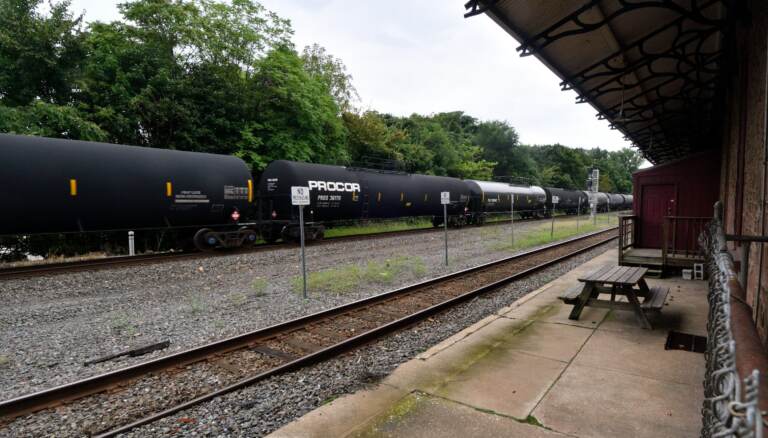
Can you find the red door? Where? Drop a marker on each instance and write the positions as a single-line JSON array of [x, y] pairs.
[[657, 201]]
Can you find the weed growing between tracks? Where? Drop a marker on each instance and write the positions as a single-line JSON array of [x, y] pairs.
[[541, 233], [259, 286], [122, 325], [348, 278]]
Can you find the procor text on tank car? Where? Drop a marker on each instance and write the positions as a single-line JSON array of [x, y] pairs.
[[59, 186]]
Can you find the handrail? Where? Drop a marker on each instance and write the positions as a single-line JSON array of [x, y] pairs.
[[627, 235], [680, 235]]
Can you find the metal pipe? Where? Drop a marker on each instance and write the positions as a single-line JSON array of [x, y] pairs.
[[303, 253], [744, 268], [445, 231]]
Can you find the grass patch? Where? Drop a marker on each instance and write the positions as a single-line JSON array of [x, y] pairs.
[[122, 325], [238, 299], [329, 400], [196, 305], [541, 233], [533, 421], [349, 277], [378, 227], [259, 286]]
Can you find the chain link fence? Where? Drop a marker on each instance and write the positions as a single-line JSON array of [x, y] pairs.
[[730, 404]]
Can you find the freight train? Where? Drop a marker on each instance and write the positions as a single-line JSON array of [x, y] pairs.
[[58, 186]]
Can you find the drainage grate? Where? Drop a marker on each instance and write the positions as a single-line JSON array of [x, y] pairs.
[[685, 341]]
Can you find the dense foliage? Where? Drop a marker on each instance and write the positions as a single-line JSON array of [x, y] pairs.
[[224, 77]]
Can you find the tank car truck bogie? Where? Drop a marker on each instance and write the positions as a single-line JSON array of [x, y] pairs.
[[292, 232], [206, 239]]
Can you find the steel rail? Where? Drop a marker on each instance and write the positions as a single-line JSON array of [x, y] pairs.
[[118, 261], [56, 396]]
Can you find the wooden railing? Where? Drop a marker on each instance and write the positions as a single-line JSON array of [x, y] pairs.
[[681, 237], [627, 236]]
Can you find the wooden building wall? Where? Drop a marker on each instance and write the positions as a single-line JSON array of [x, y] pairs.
[[695, 180]]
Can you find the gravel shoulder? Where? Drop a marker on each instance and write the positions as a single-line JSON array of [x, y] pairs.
[[269, 405], [50, 326]]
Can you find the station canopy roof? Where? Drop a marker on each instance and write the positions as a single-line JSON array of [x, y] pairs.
[[650, 67]]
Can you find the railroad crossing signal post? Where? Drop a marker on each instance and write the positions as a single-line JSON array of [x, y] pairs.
[[593, 184], [445, 199], [555, 201], [300, 197]]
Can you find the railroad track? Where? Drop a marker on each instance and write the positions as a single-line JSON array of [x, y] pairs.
[[146, 392], [145, 259]]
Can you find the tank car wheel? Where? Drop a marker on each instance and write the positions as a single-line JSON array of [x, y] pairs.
[[204, 240], [250, 235]]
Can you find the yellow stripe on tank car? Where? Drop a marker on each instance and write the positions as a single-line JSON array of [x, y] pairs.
[[250, 190], [72, 187], [168, 189]]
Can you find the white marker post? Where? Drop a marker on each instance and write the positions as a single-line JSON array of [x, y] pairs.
[[578, 213], [131, 243], [445, 199], [555, 201], [512, 216], [300, 198]]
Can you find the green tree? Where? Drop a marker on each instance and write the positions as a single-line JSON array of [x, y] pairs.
[[40, 55], [297, 117], [178, 74], [499, 141], [332, 72], [49, 120]]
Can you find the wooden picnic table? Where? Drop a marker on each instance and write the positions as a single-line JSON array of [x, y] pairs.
[[615, 280]]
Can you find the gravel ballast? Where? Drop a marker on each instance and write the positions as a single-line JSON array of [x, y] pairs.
[[51, 325], [268, 405]]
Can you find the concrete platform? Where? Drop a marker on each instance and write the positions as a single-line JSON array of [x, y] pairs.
[[529, 371]]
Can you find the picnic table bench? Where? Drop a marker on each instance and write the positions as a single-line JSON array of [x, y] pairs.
[[624, 281]]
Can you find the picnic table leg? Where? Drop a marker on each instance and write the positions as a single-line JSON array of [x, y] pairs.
[[639, 314], [586, 294], [644, 289]]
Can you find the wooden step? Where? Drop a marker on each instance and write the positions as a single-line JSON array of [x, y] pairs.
[[571, 296], [656, 299]]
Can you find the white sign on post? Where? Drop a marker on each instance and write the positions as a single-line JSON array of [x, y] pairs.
[[555, 199], [299, 195], [445, 198]]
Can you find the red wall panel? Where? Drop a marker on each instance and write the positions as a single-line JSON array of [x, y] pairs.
[[696, 182]]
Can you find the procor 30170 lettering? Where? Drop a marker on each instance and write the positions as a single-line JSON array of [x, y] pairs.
[[330, 186]]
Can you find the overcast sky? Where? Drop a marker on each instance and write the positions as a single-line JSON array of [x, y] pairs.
[[424, 57]]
